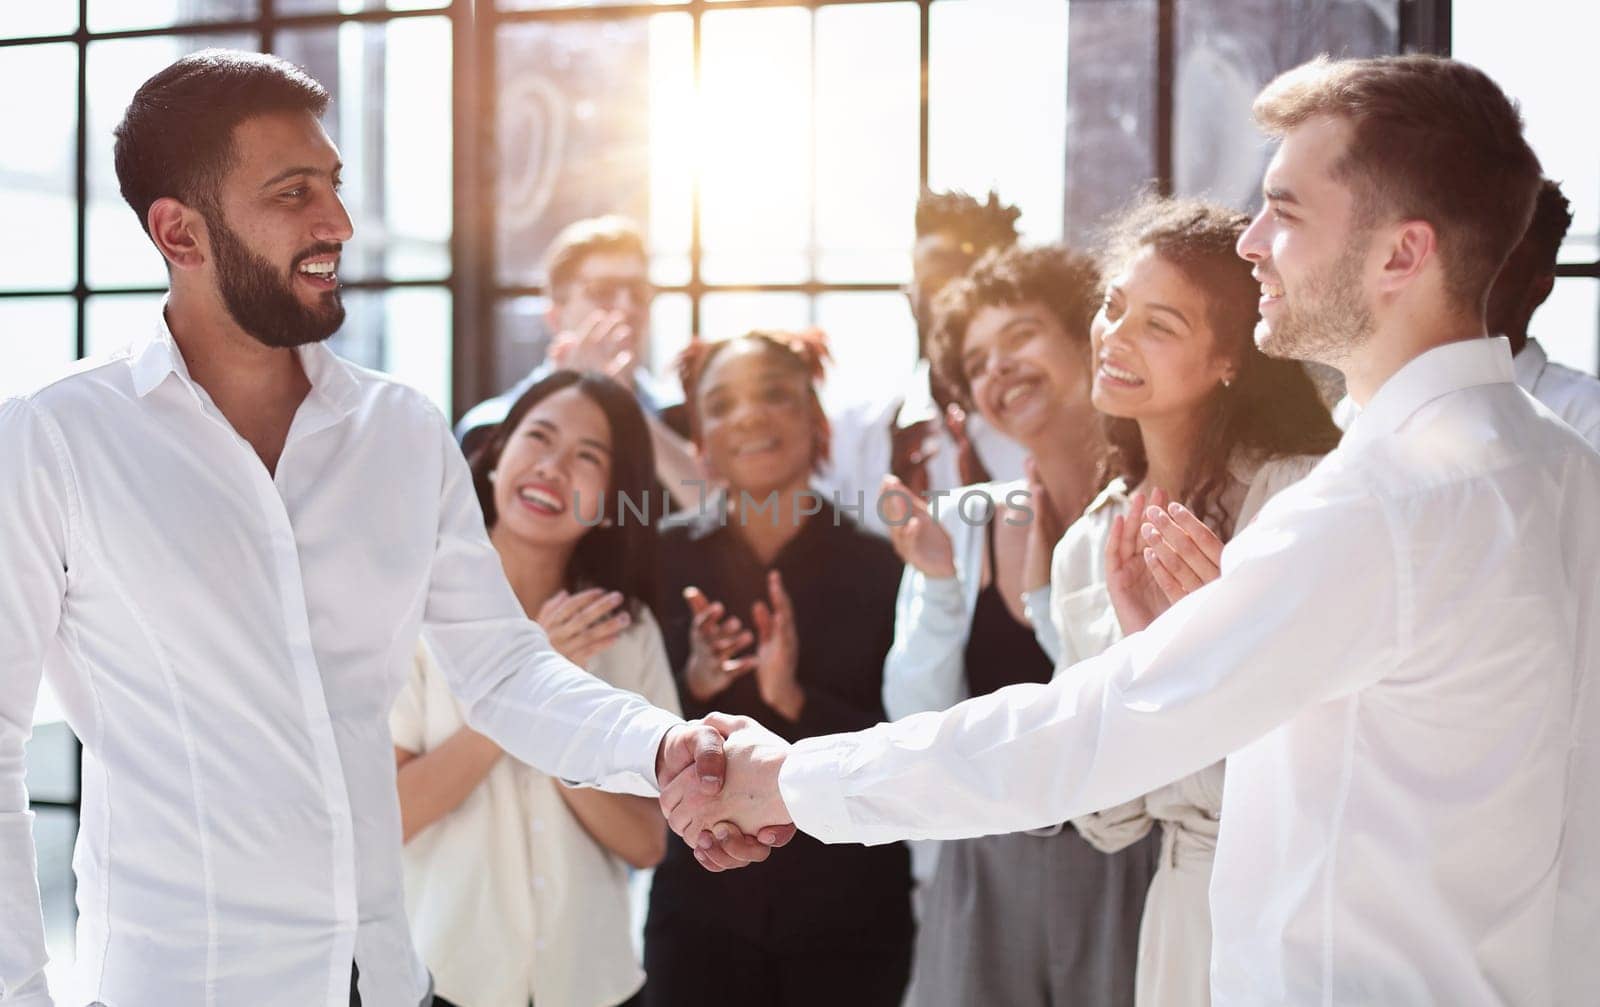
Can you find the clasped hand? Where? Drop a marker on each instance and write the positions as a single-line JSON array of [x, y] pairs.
[[741, 821]]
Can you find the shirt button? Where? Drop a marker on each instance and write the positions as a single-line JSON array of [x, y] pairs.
[[538, 825], [538, 883], [540, 944]]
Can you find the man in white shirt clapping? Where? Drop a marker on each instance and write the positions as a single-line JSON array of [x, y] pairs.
[[1399, 657]]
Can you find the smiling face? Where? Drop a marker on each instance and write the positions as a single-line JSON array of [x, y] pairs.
[[1311, 251], [756, 422], [1027, 375], [554, 474], [1155, 353], [277, 229]]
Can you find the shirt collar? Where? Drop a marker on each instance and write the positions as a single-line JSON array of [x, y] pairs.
[[1529, 365], [1438, 372], [157, 357], [917, 404]]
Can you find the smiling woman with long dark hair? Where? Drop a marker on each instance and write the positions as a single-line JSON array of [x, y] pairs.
[[516, 884]]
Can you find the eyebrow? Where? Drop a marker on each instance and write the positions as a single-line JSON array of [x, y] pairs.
[[289, 173], [1172, 311], [1279, 195], [1028, 319], [597, 445]]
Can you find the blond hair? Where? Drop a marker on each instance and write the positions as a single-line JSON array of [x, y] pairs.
[[581, 239], [1432, 139]]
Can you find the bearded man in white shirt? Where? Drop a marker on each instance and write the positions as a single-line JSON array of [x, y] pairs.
[[1399, 657], [221, 544]]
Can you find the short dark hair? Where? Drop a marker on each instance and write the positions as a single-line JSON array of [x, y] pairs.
[[176, 137], [1067, 283], [986, 225], [1432, 139], [1552, 215], [581, 239], [619, 557]]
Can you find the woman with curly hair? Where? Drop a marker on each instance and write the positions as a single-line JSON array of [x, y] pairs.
[[1204, 427], [1035, 918], [820, 924]]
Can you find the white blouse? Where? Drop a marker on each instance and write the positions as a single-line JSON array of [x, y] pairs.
[[509, 898]]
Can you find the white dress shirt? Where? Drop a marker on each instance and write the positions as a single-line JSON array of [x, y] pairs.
[[511, 901], [862, 447], [227, 644], [1572, 395], [1399, 663]]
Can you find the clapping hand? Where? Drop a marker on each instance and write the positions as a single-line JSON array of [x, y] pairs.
[[604, 343], [719, 825], [714, 641], [1135, 595], [1182, 553], [778, 651], [918, 539], [584, 624]]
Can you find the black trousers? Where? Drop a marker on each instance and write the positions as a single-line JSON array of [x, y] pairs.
[[689, 965]]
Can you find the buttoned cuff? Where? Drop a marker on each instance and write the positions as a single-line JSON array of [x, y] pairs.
[[813, 788], [637, 750]]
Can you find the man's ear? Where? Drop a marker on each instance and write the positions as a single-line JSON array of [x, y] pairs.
[[1539, 292], [1412, 247], [179, 233]]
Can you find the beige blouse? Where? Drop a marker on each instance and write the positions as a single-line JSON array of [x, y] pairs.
[[509, 898], [1086, 625]]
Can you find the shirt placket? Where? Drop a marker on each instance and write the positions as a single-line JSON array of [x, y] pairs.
[[318, 722]]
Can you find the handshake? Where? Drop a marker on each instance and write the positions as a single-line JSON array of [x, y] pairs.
[[719, 790]]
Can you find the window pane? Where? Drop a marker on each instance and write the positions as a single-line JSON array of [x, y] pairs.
[[26, 20], [1227, 52], [1568, 324], [36, 188], [669, 334], [1111, 132], [874, 345], [723, 316], [283, 7], [404, 333], [38, 341], [119, 253], [521, 339], [672, 146], [1547, 80], [868, 68], [572, 114], [997, 104], [755, 106], [390, 116], [117, 320], [548, 4], [115, 15]]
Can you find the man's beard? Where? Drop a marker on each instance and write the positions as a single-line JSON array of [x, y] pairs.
[[1328, 318], [261, 301]]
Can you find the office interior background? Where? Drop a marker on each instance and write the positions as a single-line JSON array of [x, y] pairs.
[[772, 150]]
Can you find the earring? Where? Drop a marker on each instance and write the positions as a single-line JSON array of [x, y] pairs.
[[1227, 382], [493, 473]]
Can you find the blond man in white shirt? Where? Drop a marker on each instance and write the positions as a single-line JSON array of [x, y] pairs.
[[1398, 659], [221, 544]]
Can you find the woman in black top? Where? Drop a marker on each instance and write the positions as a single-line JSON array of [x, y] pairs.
[[819, 924]]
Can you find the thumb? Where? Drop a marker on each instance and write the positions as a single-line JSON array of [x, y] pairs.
[[776, 835], [710, 764]]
